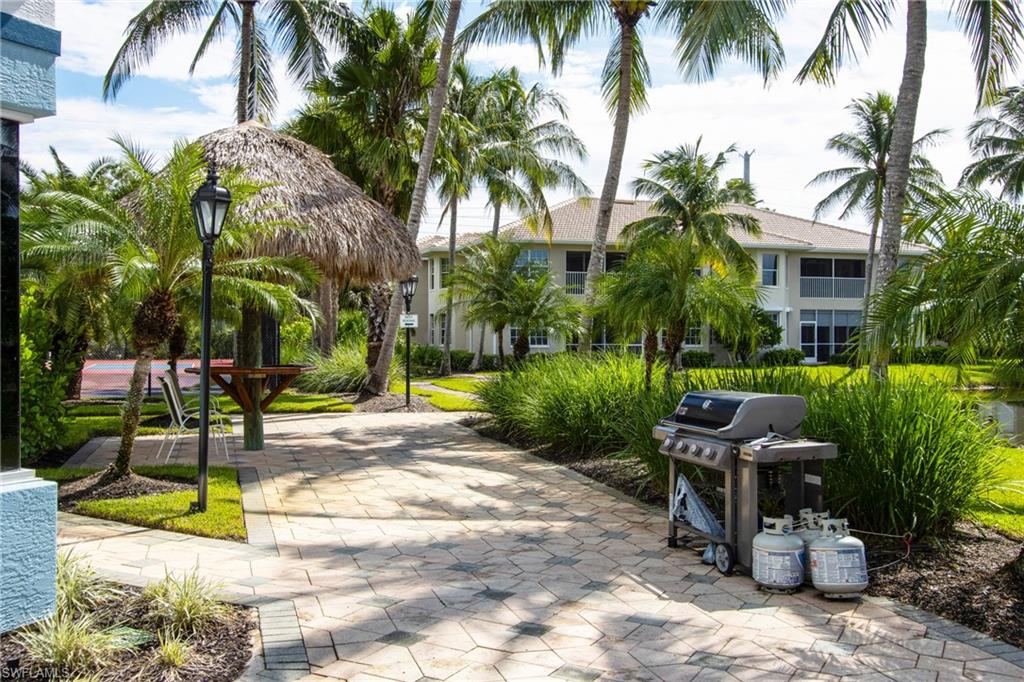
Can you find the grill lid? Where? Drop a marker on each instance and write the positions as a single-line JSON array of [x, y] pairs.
[[735, 415]]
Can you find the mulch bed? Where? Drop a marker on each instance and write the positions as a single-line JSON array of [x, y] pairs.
[[218, 654], [94, 487], [964, 577], [390, 402]]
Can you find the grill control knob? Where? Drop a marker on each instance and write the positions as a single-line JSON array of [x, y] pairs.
[[684, 447]]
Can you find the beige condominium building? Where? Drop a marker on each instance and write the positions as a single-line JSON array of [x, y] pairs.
[[811, 276]]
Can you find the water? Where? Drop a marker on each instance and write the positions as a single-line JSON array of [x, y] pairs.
[[1009, 417]]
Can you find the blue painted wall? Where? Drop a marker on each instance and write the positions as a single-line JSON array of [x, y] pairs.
[[27, 54], [28, 552]]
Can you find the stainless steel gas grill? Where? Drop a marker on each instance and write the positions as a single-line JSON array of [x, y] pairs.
[[751, 438]]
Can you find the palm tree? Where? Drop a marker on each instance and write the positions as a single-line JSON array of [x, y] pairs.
[[304, 29], [525, 154], [968, 290], [999, 141], [536, 303], [690, 203], [145, 247], [862, 186], [670, 281], [377, 382], [368, 114], [481, 285], [706, 33], [995, 29], [78, 298]]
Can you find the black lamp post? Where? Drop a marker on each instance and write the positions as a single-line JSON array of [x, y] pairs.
[[209, 207], [408, 291]]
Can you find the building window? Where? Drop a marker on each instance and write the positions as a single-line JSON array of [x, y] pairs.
[[431, 325], [532, 258], [831, 278], [693, 336], [824, 333], [614, 260], [577, 261], [444, 272], [538, 338], [430, 266], [441, 327], [769, 269]]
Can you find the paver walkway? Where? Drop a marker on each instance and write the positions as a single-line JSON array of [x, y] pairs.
[[407, 547]]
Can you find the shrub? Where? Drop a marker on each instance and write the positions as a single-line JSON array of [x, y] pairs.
[[427, 358], [296, 341], [462, 360], [70, 642], [344, 371], [696, 358], [914, 456], [783, 357], [172, 652], [79, 588], [183, 606], [488, 363], [1009, 373], [44, 378]]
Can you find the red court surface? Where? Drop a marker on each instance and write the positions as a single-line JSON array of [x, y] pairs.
[[110, 378]]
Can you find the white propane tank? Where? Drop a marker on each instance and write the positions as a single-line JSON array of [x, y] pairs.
[[778, 556], [809, 530], [839, 566]]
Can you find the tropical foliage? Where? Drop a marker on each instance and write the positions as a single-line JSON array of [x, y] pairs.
[[968, 291], [998, 141], [143, 251], [706, 34], [861, 187]]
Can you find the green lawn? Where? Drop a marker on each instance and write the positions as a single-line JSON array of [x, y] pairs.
[[1010, 496], [170, 511], [293, 401], [446, 401], [464, 384]]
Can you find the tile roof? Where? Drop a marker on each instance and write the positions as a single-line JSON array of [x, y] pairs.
[[573, 222]]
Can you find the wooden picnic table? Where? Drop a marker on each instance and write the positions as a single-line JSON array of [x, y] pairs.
[[238, 389]]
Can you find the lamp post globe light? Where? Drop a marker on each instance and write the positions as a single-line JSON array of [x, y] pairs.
[[408, 291], [209, 208]]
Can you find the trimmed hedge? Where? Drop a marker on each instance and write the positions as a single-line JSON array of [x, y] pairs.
[[783, 357], [696, 358]]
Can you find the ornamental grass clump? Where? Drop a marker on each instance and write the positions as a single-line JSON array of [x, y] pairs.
[[79, 588], [182, 607], [913, 456], [68, 641], [343, 371]]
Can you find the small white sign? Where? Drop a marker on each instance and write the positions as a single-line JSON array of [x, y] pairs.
[[409, 322]]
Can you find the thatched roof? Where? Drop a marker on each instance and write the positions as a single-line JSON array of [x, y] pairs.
[[349, 235]]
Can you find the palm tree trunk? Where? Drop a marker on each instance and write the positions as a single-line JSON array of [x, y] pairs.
[[243, 107], [500, 333], [650, 353], [449, 306], [611, 181], [900, 150], [73, 391], [327, 331], [674, 335], [376, 320], [521, 348], [869, 266], [132, 411], [250, 354], [479, 356], [377, 382]]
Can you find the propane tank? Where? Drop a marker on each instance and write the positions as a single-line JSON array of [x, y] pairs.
[[809, 530], [778, 556], [839, 566]]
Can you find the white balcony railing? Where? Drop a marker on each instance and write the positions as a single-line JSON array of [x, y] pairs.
[[575, 282], [831, 287]]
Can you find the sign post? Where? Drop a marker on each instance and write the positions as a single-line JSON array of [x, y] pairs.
[[408, 322]]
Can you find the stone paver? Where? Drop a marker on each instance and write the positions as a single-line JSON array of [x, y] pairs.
[[406, 547]]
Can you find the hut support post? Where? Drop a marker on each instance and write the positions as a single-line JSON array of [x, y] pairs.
[[250, 355], [327, 332]]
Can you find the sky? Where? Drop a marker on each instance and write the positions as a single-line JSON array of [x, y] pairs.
[[785, 124]]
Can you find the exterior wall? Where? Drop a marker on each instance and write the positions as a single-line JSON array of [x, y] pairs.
[[28, 51], [28, 548], [783, 298]]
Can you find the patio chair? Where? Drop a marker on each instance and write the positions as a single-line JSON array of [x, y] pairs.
[[191, 402], [186, 422]]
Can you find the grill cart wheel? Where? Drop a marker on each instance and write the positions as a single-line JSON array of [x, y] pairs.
[[725, 558]]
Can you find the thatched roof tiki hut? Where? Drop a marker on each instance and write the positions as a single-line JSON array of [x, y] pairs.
[[348, 235]]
